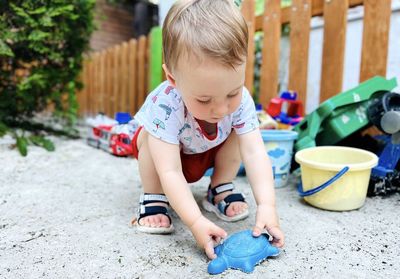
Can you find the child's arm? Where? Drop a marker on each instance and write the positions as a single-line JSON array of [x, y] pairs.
[[167, 161], [259, 172]]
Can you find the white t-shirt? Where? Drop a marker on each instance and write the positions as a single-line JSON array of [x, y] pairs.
[[164, 115]]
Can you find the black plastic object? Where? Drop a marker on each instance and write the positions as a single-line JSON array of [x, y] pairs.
[[389, 101]]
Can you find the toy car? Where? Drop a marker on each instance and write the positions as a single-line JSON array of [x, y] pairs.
[[110, 135]]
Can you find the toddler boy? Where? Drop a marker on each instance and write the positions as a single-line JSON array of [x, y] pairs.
[[202, 117]]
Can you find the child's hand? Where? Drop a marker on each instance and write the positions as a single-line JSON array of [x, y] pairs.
[[207, 235], [266, 218]]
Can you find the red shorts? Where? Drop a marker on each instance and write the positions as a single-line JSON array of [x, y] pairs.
[[193, 165]]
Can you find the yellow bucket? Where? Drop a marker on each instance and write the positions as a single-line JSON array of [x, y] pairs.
[[335, 177]]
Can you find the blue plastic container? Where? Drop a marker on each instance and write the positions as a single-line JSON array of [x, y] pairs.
[[123, 117], [279, 147]]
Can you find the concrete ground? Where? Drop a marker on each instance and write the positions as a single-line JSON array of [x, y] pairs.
[[67, 215]]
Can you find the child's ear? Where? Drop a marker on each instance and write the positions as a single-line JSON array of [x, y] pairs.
[[169, 75]]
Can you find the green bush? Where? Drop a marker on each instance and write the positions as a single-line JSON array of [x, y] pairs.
[[41, 48]]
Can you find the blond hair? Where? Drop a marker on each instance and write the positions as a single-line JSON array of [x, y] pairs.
[[212, 28]]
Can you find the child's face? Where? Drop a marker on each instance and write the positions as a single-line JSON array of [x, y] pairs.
[[209, 90]]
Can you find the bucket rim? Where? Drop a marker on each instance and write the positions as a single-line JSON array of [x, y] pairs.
[[372, 162], [270, 135]]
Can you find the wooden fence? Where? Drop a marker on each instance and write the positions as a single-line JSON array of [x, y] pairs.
[[374, 43], [115, 79]]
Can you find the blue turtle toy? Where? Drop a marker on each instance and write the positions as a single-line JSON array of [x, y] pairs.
[[241, 251]]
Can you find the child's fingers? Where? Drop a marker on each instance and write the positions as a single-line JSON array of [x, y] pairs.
[[257, 229], [209, 249], [217, 239], [216, 235], [278, 237], [218, 232]]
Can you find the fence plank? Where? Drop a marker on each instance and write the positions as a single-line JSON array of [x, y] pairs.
[[93, 88], [116, 80], [335, 18], [112, 84], [96, 86], [317, 10], [91, 84], [120, 78], [108, 83], [102, 81], [132, 59], [124, 105], [248, 11], [375, 38], [81, 95], [141, 70], [270, 51], [147, 66], [318, 5], [299, 43]]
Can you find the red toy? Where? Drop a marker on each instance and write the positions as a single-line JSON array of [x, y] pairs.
[[286, 108], [109, 135]]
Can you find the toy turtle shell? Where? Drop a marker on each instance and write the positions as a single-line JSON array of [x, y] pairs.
[[241, 251]]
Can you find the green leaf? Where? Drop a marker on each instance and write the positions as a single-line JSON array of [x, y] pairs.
[[42, 142], [19, 11], [48, 145], [3, 129], [46, 21], [40, 10], [37, 35], [5, 49], [22, 145], [42, 45], [22, 14], [60, 10]]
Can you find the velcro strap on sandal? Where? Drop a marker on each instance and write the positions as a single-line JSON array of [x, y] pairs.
[[144, 211], [223, 205], [150, 198], [222, 188], [234, 198]]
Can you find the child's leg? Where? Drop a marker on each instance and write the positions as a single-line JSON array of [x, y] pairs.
[[227, 163], [150, 181]]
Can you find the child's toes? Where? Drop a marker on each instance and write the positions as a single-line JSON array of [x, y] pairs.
[[236, 208], [164, 222], [239, 208], [229, 211], [144, 222], [153, 221], [243, 206], [232, 210], [158, 220]]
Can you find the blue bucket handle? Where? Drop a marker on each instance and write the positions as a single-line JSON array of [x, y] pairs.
[[323, 186]]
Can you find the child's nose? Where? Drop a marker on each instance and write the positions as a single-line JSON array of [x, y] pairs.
[[220, 110]]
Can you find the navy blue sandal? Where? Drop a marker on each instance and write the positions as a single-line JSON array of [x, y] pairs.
[[220, 208], [144, 211]]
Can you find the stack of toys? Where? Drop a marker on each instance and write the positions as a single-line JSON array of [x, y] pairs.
[[342, 119], [286, 110]]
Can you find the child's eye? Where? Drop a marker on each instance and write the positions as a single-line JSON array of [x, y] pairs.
[[204, 102], [233, 95]]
